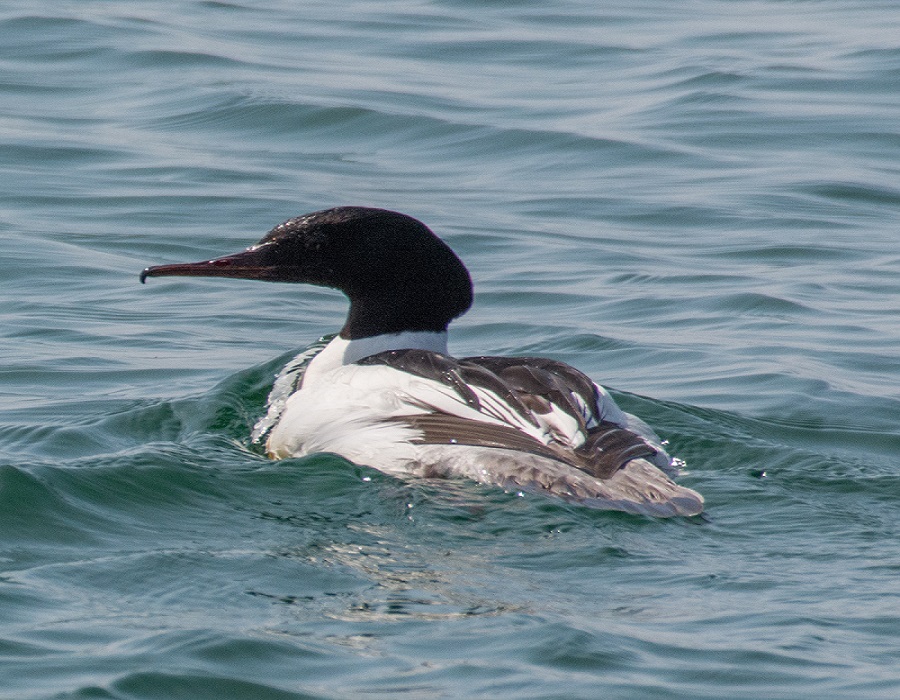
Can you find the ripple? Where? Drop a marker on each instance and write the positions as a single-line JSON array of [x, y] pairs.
[[699, 211], [852, 192]]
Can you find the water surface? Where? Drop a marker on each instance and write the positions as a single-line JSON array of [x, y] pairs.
[[694, 202]]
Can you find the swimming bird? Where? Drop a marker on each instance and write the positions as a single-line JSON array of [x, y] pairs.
[[386, 393]]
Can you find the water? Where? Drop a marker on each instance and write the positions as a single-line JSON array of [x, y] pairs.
[[695, 202]]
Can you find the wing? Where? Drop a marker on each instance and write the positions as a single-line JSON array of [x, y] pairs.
[[533, 405]]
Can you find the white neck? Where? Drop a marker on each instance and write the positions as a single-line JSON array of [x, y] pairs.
[[341, 352]]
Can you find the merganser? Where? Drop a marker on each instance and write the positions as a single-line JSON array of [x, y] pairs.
[[385, 393]]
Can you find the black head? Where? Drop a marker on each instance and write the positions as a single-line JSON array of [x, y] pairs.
[[398, 275]]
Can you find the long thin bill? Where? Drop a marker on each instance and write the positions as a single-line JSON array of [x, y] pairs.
[[249, 264]]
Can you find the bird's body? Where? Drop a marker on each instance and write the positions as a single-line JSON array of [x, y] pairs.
[[387, 394]]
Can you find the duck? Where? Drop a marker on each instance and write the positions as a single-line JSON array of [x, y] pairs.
[[385, 392]]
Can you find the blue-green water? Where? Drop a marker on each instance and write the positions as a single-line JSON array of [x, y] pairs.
[[697, 202]]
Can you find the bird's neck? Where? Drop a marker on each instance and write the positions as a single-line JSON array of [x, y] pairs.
[[403, 309], [343, 351]]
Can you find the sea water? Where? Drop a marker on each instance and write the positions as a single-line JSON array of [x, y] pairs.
[[695, 202]]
